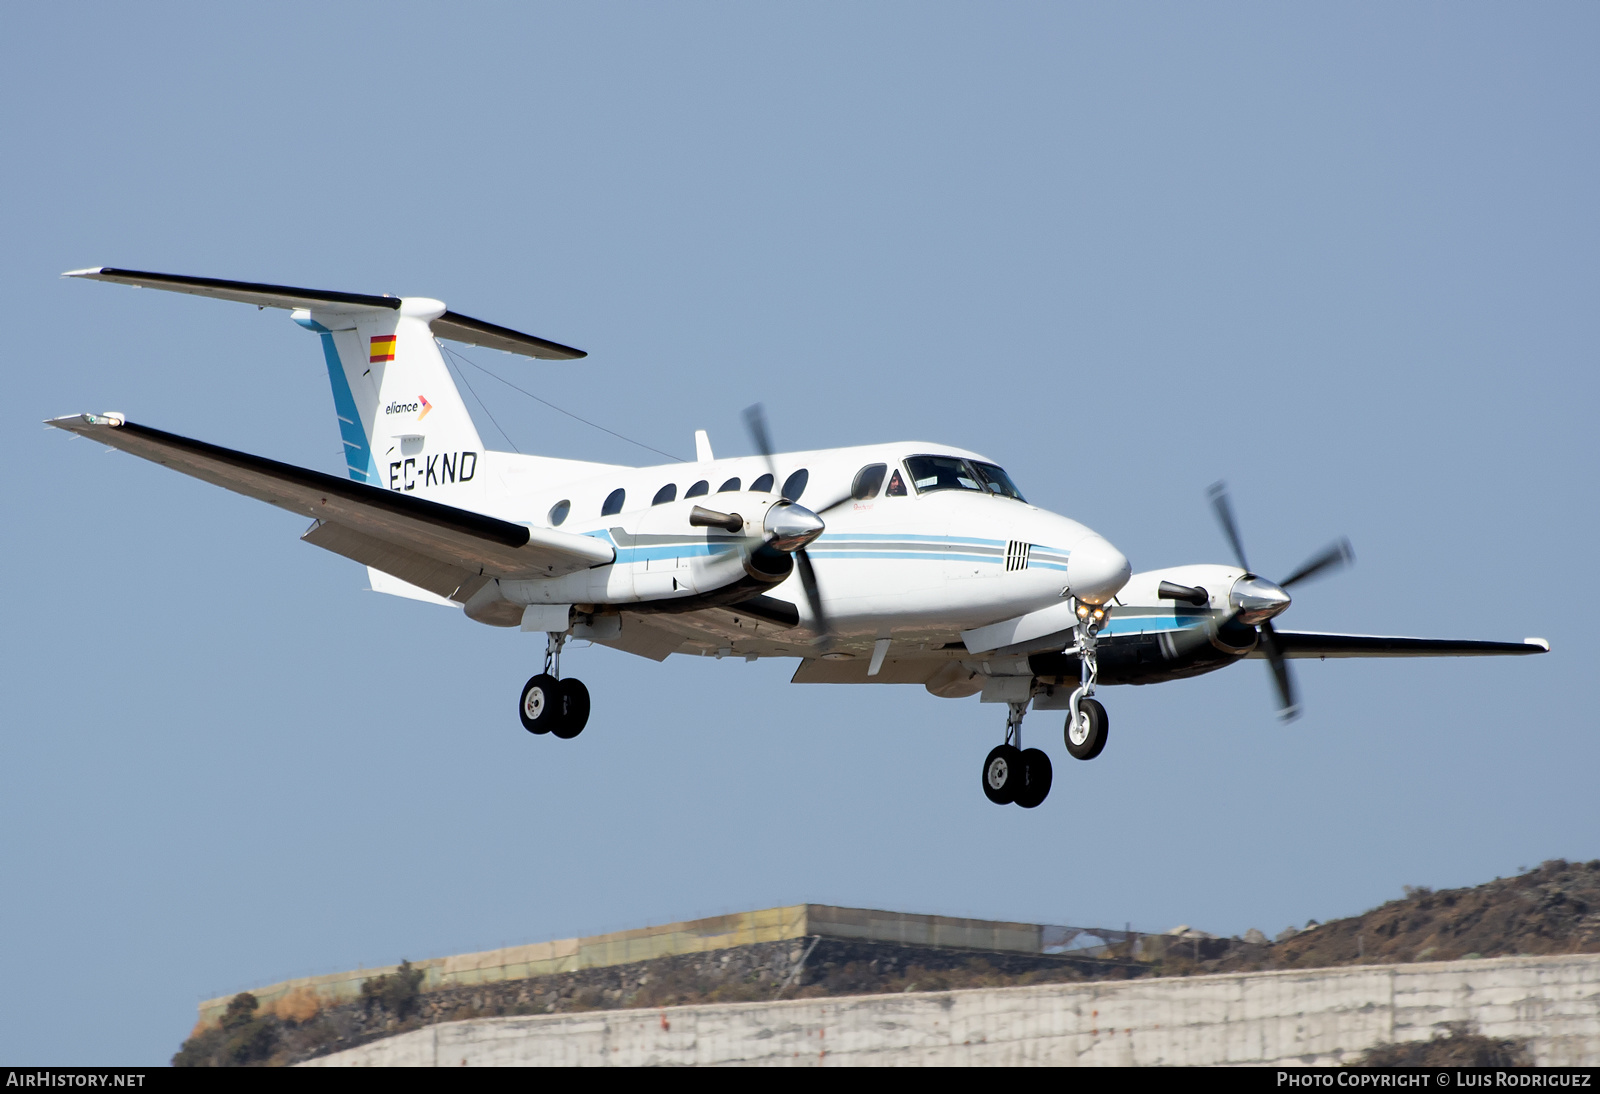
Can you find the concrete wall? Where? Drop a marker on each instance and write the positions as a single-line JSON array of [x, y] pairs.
[[1322, 1016], [624, 947]]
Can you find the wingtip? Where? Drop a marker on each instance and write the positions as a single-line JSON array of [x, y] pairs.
[[111, 418], [1542, 643], [89, 271]]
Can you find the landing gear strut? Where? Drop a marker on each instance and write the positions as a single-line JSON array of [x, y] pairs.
[[1085, 731], [550, 704], [1012, 774]]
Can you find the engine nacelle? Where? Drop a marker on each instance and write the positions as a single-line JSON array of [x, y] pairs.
[[662, 557]]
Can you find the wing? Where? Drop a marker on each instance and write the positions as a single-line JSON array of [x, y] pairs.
[[451, 325], [438, 547], [1314, 644]]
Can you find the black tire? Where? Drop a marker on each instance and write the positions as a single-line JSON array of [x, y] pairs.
[[1037, 774], [540, 708], [1094, 727], [1003, 775], [573, 698]]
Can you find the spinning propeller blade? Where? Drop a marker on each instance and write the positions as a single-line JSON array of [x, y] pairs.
[[1288, 704], [1224, 508], [755, 419], [1335, 555]]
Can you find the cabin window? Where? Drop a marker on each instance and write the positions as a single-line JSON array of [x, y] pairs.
[[763, 485], [731, 484], [930, 473], [997, 481], [869, 480], [795, 484], [667, 493], [614, 502], [558, 513], [698, 490], [897, 485]]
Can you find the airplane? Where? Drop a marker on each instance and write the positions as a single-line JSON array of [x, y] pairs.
[[930, 568]]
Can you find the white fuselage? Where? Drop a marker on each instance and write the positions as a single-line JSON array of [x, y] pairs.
[[921, 563]]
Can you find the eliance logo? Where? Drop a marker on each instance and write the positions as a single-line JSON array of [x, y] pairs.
[[421, 404]]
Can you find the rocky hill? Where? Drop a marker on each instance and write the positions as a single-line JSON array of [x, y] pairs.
[[1554, 909]]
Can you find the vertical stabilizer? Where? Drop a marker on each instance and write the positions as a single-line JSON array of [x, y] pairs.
[[402, 420]]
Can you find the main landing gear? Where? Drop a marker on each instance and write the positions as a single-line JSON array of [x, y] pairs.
[[550, 704], [1015, 774], [1012, 774]]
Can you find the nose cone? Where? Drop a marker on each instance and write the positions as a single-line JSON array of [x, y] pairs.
[[1256, 599], [1096, 571], [790, 526]]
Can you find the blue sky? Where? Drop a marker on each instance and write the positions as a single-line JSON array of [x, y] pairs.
[[1343, 256]]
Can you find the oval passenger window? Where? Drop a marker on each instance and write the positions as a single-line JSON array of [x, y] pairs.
[[795, 484], [667, 493], [762, 485], [558, 512], [698, 490], [731, 484], [869, 480], [613, 502]]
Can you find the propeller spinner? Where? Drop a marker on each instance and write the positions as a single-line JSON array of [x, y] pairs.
[[790, 526], [1256, 601]]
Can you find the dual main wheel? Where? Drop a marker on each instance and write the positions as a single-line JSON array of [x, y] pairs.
[[1017, 775], [554, 706]]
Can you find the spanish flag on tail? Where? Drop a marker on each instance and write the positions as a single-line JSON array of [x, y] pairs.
[[382, 348]]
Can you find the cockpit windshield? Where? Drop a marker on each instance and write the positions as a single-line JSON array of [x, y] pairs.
[[930, 473], [998, 481]]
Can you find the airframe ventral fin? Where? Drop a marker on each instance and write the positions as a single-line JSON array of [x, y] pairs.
[[451, 325]]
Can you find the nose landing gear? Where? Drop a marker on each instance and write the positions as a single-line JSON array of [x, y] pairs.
[[550, 704]]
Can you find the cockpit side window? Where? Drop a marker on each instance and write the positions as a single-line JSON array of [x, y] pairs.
[[869, 480], [897, 485], [998, 481], [930, 473]]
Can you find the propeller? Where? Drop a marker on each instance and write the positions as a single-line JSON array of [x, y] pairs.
[[755, 419], [1256, 600]]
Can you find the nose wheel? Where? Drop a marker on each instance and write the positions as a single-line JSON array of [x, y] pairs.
[[550, 704], [1086, 735]]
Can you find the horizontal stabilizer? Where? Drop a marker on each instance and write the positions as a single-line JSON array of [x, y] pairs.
[[1313, 644], [451, 325], [427, 542]]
